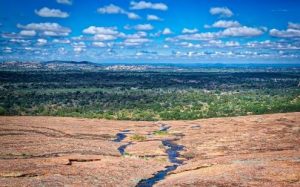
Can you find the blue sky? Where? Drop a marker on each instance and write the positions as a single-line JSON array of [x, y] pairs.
[[133, 31]]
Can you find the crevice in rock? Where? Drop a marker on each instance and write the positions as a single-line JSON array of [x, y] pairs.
[[71, 160]]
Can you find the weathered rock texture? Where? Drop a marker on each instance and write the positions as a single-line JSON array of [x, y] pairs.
[[238, 151]]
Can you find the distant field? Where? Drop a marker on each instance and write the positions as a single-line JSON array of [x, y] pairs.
[[149, 95]]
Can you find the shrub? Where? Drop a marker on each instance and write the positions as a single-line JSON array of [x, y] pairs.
[[137, 137], [2, 111], [161, 133]]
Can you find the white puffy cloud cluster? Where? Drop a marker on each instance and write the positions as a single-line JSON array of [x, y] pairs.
[[223, 38], [79, 47], [61, 41], [67, 2], [147, 5], [152, 17], [223, 24], [167, 31], [7, 50], [243, 31], [222, 11], [46, 29], [113, 9], [189, 31], [101, 30], [105, 34], [137, 39], [47, 12], [230, 29], [143, 27], [99, 44], [229, 32], [41, 41], [293, 31], [28, 33], [102, 33], [210, 44]]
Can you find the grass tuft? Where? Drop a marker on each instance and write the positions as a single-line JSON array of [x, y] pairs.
[[138, 137]]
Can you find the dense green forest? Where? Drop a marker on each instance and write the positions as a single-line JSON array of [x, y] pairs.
[[142, 95]]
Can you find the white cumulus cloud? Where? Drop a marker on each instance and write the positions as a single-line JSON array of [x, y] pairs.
[[110, 9], [222, 11], [104, 37], [151, 17], [99, 44], [101, 30], [67, 2], [293, 31], [143, 27], [102, 33], [47, 12], [189, 31], [28, 33], [289, 33], [224, 24], [147, 5], [242, 31], [113, 9], [166, 31], [229, 32], [132, 15], [135, 41], [7, 50], [199, 36], [41, 41], [232, 44], [47, 28], [61, 41], [294, 25], [79, 47]]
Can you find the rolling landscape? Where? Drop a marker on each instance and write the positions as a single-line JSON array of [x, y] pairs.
[[142, 94], [148, 92]]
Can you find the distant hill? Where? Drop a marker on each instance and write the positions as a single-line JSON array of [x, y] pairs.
[[50, 65], [61, 65], [70, 62]]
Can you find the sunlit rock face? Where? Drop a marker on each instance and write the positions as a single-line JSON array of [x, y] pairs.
[[224, 151]]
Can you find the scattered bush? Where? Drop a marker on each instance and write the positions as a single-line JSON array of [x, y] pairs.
[[161, 133], [137, 137]]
